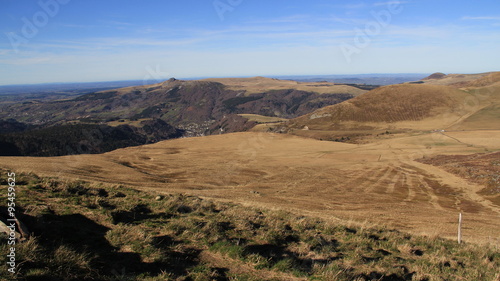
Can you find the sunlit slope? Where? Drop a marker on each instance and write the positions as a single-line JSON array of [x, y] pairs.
[[261, 84], [377, 182], [487, 117], [396, 106], [487, 80], [462, 80]]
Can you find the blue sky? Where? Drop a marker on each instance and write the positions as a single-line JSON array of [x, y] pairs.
[[89, 40]]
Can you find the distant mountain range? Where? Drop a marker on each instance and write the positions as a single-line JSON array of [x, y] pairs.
[[79, 88], [197, 107], [50, 88], [137, 115], [367, 79]]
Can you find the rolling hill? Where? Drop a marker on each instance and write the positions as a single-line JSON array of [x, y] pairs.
[[192, 108], [462, 80], [410, 106], [196, 106], [261, 84]]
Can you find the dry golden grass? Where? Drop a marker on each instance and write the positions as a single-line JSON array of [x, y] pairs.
[[378, 182], [261, 84], [138, 235], [135, 123], [397, 106], [457, 79], [406, 107], [487, 80], [262, 119]]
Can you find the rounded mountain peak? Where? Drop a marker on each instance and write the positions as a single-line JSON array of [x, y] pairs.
[[437, 75]]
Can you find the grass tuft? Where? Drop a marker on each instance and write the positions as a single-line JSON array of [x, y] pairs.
[[87, 231]]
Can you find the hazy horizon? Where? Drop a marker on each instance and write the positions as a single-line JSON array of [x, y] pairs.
[[283, 77]]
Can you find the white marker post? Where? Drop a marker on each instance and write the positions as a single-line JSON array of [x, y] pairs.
[[460, 228]]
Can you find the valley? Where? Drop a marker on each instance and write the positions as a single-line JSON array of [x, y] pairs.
[[170, 109]]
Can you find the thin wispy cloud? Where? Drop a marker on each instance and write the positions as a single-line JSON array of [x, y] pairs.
[[191, 40], [288, 19], [424, 32], [387, 3], [119, 23], [355, 6], [111, 42], [349, 21], [78, 25], [481, 18], [25, 61], [350, 6], [5, 51]]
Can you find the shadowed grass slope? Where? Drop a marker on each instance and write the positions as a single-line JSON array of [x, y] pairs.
[[88, 231]]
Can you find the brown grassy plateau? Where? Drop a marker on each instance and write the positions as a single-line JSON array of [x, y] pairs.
[[261, 84], [379, 182], [454, 79], [475, 105], [398, 105], [261, 119]]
